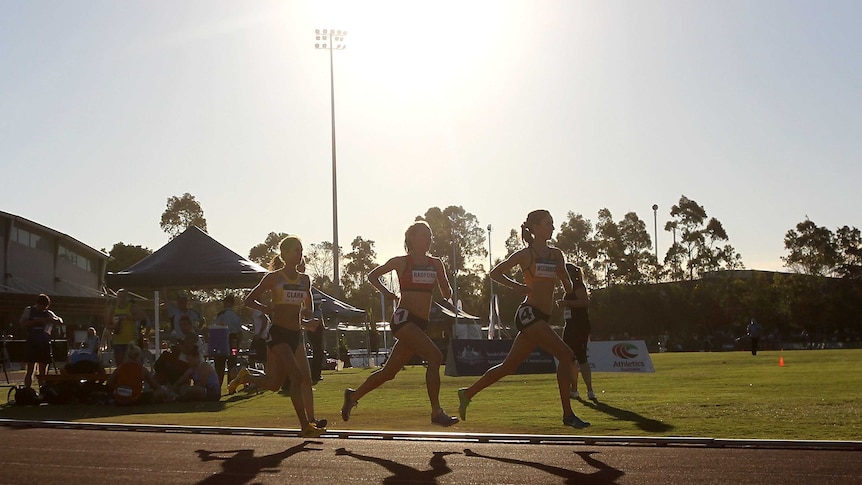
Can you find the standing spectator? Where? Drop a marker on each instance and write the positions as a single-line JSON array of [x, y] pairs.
[[182, 309], [344, 352], [373, 342], [754, 330], [122, 318], [38, 320], [257, 347], [576, 334], [314, 329], [229, 326], [542, 265]]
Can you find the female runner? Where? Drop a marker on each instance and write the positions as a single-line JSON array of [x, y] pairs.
[[291, 301], [418, 274], [542, 266]]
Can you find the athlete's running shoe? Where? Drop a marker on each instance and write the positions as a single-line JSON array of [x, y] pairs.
[[242, 374], [575, 422], [311, 431], [348, 404], [463, 402], [320, 423], [575, 394], [443, 419], [592, 396]]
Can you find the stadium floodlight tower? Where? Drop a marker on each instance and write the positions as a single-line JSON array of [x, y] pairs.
[[330, 39]]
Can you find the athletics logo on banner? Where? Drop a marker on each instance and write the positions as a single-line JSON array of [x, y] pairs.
[[619, 356]]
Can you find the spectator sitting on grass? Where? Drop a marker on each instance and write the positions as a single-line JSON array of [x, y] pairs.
[[199, 383], [127, 381]]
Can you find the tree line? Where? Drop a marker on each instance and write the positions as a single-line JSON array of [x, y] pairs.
[[616, 254]]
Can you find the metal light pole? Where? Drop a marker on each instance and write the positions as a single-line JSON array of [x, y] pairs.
[[454, 274], [655, 228], [490, 266], [333, 39]]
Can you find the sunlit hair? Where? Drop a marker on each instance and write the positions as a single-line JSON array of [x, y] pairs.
[[43, 299], [283, 247], [576, 273], [533, 219], [408, 234]]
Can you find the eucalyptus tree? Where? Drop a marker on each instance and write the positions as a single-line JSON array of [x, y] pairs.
[[264, 253], [318, 265], [454, 226], [575, 239], [359, 262], [182, 213], [702, 242], [123, 256], [817, 250]]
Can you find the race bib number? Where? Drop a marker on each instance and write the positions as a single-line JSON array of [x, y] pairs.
[[400, 316], [424, 277], [546, 270], [567, 313], [124, 391], [292, 297], [526, 315]]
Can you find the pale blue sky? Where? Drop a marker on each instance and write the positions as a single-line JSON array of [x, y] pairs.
[[751, 108]]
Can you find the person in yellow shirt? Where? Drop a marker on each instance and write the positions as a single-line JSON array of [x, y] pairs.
[[122, 318]]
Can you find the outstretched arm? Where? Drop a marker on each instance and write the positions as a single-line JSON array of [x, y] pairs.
[[500, 276], [251, 300], [442, 279], [375, 274]]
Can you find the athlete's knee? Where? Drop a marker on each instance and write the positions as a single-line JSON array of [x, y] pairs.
[[273, 386], [508, 368], [435, 360]]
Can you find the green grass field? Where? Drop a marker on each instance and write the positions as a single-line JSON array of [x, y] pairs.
[[816, 395]]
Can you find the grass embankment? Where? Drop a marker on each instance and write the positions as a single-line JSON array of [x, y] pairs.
[[816, 395]]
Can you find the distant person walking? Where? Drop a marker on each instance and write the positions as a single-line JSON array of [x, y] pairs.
[[576, 333], [754, 330], [290, 293], [418, 273], [542, 266]]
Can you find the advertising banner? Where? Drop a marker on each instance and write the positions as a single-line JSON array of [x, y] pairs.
[[619, 356], [474, 357]]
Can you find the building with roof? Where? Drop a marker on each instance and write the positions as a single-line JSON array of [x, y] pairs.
[[36, 259]]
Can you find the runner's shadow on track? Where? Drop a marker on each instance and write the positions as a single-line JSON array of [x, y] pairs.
[[406, 474], [642, 422], [604, 474], [241, 466]]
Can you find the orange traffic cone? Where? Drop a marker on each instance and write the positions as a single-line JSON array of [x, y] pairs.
[[780, 360]]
